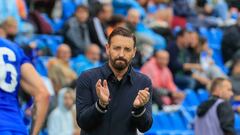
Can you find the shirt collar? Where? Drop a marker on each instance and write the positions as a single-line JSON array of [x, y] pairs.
[[107, 72]]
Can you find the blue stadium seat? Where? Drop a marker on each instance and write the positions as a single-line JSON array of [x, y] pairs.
[[237, 123], [164, 122], [203, 95], [177, 121], [41, 65], [191, 98], [69, 8], [50, 41]]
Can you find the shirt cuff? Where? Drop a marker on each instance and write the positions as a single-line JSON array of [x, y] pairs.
[[100, 108], [138, 112]]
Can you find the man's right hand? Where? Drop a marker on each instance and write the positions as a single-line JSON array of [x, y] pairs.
[[102, 92]]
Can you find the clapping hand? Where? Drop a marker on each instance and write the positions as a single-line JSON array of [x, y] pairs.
[[102, 92], [142, 98]]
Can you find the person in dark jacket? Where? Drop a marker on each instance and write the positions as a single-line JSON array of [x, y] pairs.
[[76, 31], [215, 116], [114, 99]]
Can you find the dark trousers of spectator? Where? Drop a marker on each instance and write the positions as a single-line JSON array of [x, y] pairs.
[[184, 81]]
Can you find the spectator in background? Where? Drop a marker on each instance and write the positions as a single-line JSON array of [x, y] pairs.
[[201, 54], [165, 92], [60, 121], [10, 28], [98, 24], [76, 31], [207, 62], [2, 32], [215, 116], [179, 62], [114, 22], [7, 9], [144, 42], [235, 78], [195, 48], [59, 70], [231, 42], [91, 59]]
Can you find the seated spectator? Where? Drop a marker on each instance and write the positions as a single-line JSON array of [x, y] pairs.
[[2, 32], [200, 53], [10, 28], [98, 24], [76, 31], [114, 22], [179, 62], [207, 62], [10, 8], [215, 116], [59, 70], [144, 42], [231, 42], [164, 88], [235, 79], [91, 59], [60, 121]]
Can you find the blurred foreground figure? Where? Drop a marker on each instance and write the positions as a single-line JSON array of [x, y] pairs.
[[215, 116], [15, 69]]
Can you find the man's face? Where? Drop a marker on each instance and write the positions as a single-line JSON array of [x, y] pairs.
[[68, 100], [226, 90], [82, 15], [12, 29], [236, 69], [93, 54], [133, 17], [107, 12], [121, 51], [162, 58], [185, 40], [193, 39], [64, 53]]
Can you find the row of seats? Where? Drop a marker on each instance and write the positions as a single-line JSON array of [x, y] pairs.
[[181, 122]]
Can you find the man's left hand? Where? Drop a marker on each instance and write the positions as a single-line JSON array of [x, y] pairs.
[[142, 98]]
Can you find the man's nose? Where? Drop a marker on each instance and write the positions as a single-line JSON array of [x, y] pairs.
[[121, 54]]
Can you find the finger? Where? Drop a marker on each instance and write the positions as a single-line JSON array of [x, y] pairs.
[[143, 95], [141, 99], [147, 89], [105, 85], [146, 95], [98, 84]]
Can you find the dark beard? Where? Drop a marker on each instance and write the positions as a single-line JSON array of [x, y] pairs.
[[121, 66]]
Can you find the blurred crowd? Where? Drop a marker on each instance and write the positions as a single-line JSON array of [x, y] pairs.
[[182, 44]]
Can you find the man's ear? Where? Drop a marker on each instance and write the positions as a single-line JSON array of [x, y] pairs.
[[134, 51], [107, 47]]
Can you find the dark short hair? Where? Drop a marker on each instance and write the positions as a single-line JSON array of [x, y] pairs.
[[216, 82], [202, 41], [181, 33], [85, 8], [115, 19], [122, 32]]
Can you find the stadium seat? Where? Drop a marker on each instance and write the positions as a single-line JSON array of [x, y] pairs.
[[237, 123], [191, 98], [69, 8], [41, 65], [202, 95], [177, 121]]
